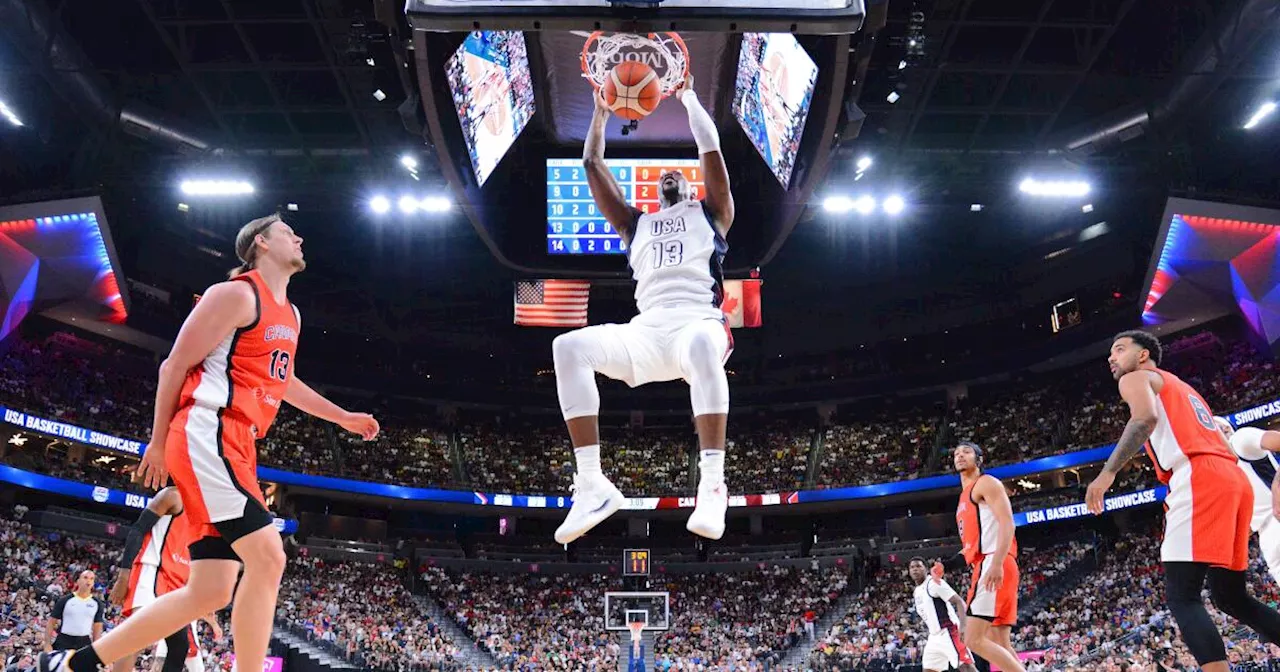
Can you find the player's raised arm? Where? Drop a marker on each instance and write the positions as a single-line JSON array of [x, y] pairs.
[[715, 174], [604, 189]]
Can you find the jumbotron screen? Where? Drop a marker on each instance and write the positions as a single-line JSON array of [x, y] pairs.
[[576, 226], [493, 91], [774, 87]]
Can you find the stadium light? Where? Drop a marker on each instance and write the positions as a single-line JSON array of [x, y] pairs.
[[838, 204], [436, 204], [9, 114], [1063, 188], [1260, 114], [1086, 208], [864, 163], [976, 207], [893, 97], [865, 205], [380, 205], [378, 95], [902, 65], [408, 205], [894, 204], [216, 188], [409, 162]]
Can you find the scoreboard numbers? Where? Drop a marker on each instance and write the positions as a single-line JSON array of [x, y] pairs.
[[574, 223]]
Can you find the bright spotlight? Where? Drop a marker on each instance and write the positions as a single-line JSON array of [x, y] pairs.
[[1086, 208], [837, 204], [1034, 187], [379, 96], [292, 207], [408, 204], [409, 162], [865, 205], [9, 114], [894, 204], [893, 97], [1261, 113], [864, 163], [436, 204], [216, 188], [370, 61], [902, 65], [380, 205], [976, 207]]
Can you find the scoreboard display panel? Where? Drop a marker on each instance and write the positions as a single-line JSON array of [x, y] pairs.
[[576, 226], [635, 562]]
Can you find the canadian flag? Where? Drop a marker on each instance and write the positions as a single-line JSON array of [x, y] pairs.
[[741, 303]]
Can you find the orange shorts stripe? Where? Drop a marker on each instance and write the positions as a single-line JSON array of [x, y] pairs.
[[1000, 607], [1207, 515], [213, 462]]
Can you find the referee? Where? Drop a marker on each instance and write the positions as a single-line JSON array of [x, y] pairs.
[[76, 618]]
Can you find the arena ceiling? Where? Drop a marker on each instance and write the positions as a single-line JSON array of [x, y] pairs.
[[988, 90]]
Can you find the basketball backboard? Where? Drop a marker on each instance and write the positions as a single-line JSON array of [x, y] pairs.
[[817, 17], [623, 608]]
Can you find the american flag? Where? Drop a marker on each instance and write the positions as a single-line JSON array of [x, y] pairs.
[[552, 303]]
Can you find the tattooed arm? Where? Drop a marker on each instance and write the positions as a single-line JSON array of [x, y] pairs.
[[1135, 388]]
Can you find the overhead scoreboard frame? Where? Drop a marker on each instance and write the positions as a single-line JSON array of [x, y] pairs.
[[807, 17], [636, 562]]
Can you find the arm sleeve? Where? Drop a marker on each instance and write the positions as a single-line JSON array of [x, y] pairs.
[[133, 543], [59, 607], [1247, 442], [700, 123], [941, 590], [98, 615]]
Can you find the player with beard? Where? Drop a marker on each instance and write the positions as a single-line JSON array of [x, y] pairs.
[[1210, 503], [938, 606], [219, 390], [680, 334]]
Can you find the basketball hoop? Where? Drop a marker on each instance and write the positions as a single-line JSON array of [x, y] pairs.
[[637, 633], [665, 52]]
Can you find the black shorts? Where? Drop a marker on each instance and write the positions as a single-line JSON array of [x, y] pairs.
[[63, 642]]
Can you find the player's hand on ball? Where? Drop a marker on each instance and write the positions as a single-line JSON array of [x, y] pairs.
[[360, 423], [152, 472], [1093, 497]]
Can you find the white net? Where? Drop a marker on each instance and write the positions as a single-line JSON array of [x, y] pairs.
[[637, 635], [604, 54]]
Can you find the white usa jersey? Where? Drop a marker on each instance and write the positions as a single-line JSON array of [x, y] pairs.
[[675, 256], [1260, 466], [933, 604]]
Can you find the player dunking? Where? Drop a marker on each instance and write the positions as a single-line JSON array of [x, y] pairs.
[[1255, 449], [219, 391], [1210, 502], [680, 333], [938, 606], [156, 561], [985, 519]]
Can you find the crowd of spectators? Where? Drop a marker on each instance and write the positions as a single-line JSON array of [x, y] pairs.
[[530, 621], [364, 611], [109, 389]]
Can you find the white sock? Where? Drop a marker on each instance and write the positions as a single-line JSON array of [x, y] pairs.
[[588, 459], [712, 465]]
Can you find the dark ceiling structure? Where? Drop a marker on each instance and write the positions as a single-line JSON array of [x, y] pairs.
[[1142, 98]]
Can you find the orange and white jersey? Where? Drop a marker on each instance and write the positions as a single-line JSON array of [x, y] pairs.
[[978, 529], [164, 563], [1184, 429], [248, 372]]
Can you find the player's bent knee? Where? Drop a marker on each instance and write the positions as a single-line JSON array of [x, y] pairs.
[[571, 348], [262, 552]]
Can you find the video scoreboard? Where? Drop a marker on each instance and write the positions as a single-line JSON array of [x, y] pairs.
[[576, 226]]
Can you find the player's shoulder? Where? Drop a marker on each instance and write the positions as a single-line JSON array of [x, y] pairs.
[[235, 289]]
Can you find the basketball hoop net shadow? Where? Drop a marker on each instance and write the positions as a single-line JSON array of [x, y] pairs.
[[665, 52]]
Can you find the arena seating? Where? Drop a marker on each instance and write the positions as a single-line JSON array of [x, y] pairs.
[[108, 389]]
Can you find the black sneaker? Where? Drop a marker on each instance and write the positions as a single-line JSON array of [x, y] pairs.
[[55, 661]]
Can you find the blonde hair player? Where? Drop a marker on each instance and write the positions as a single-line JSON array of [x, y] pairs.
[[680, 333], [219, 390]]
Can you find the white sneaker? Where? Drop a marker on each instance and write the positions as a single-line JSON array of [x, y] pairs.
[[707, 519], [594, 499]]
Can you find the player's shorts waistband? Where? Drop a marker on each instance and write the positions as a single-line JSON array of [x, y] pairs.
[[682, 309]]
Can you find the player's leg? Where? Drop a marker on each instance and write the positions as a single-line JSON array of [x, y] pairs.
[[610, 349], [977, 636], [253, 612], [208, 589], [1183, 583], [1269, 544], [1227, 584], [176, 648], [125, 664], [701, 349], [1006, 606], [1000, 635]]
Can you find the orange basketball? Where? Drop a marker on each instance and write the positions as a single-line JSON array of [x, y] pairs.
[[631, 90]]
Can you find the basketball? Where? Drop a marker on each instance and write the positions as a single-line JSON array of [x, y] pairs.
[[631, 90]]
